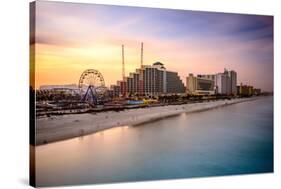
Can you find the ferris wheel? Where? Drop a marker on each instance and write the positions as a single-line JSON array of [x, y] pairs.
[[92, 82], [91, 78]]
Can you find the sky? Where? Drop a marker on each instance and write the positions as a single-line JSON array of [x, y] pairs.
[[73, 37]]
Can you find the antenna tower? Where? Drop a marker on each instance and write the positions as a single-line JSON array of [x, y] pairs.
[[141, 54], [123, 63]]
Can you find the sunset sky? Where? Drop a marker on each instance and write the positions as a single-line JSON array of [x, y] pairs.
[[72, 37]]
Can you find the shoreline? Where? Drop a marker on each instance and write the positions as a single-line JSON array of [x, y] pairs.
[[59, 128]]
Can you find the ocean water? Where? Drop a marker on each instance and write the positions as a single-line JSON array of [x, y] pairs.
[[231, 140]]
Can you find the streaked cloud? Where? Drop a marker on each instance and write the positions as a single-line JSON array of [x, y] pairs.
[[71, 37]]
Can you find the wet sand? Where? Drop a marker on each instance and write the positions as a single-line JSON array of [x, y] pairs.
[[58, 128]]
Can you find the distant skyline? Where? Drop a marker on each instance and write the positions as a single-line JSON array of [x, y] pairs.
[[73, 37]]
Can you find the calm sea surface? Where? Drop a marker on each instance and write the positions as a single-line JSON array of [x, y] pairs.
[[236, 139]]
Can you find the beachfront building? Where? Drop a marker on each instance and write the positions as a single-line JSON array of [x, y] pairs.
[[245, 90], [123, 87], [199, 85], [174, 83], [151, 80], [225, 83], [115, 90], [154, 79], [233, 81]]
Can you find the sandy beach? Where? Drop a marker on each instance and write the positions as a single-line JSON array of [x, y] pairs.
[[57, 128]]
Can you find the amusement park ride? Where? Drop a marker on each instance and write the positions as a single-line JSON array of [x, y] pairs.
[[92, 86]]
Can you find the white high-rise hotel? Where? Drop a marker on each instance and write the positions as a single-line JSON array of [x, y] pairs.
[[226, 82], [233, 82]]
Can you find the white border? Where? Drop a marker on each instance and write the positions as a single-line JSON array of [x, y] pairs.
[[14, 92]]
